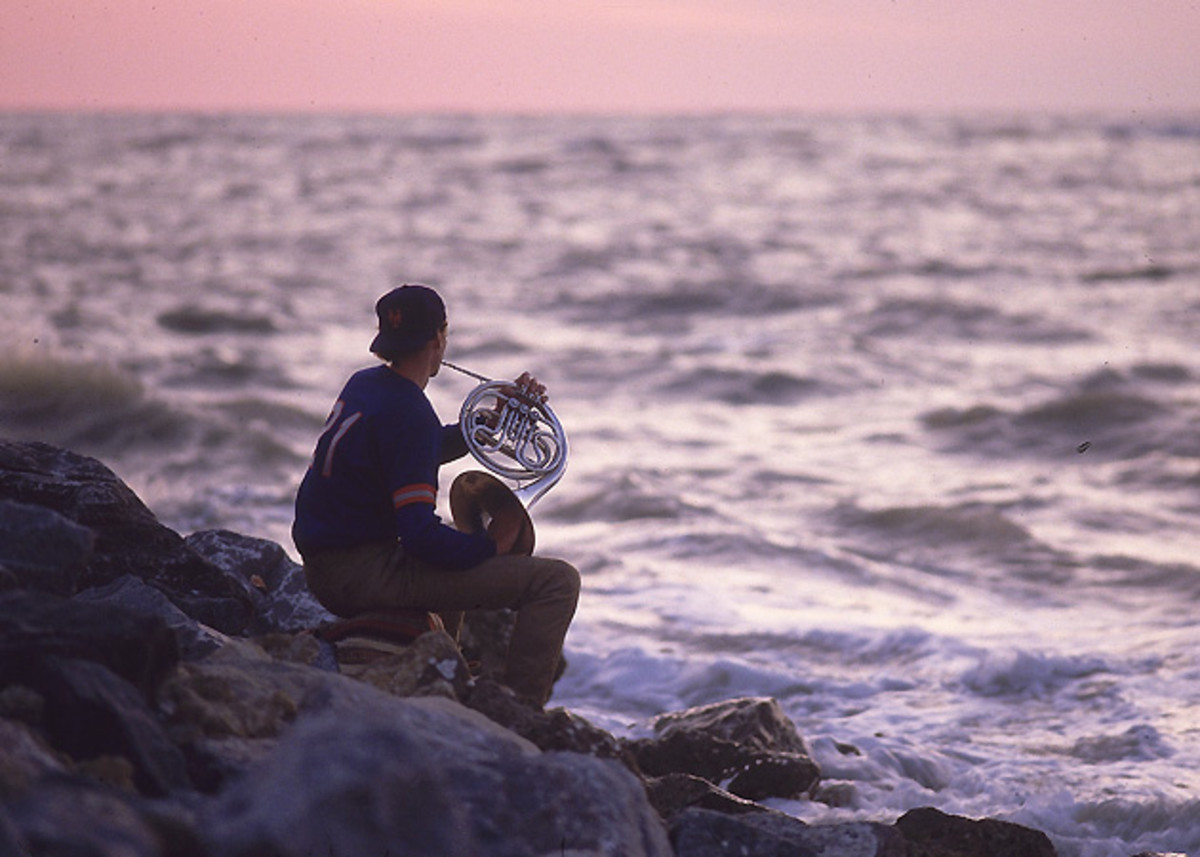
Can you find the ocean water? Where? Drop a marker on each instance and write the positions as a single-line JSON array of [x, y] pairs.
[[894, 419]]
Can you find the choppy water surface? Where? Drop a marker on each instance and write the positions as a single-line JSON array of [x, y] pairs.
[[895, 420]]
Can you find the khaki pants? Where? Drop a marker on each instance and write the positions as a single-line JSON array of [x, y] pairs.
[[542, 591]]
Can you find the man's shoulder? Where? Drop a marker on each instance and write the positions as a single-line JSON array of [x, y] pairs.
[[380, 381], [381, 391], [372, 375]]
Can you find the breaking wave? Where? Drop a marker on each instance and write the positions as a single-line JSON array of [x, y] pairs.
[[95, 408]]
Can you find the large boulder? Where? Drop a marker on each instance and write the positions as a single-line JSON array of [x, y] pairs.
[[128, 538], [419, 777], [326, 764]]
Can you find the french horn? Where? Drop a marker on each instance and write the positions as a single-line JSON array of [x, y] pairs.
[[514, 434]]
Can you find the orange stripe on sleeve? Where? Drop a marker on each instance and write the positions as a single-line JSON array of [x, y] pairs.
[[410, 494]]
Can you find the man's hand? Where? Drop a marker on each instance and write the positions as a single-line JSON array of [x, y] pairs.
[[529, 386], [504, 533], [511, 530], [526, 388]]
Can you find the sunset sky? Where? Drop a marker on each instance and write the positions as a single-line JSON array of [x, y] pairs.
[[1130, 56]]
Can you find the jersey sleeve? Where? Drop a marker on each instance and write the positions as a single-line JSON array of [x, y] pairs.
[[412, 483]]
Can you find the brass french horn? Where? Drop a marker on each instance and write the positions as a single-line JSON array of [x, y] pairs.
[[514, 434]]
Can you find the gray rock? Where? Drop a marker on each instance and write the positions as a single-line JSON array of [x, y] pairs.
[[195, 639], [421, 777], [756, 723], [554, 729], [266, 753], [430, 666], [42, 549], [76, 816], [228, 711], [138, 647], [282, 600], [91, 713], [128, 538], [703, 833], [12, 843], [25, 757]]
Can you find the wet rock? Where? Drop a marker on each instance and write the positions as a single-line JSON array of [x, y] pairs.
[[128, 538], [748, 742], [683, 751], [754, 722], [779, 774], [932, 833], [41, 549], [672, 794], [857, 839]]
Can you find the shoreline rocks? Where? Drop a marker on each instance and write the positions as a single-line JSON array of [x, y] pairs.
[[162, 695]]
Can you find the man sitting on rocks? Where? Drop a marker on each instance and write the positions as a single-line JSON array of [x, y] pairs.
[[366, 525]]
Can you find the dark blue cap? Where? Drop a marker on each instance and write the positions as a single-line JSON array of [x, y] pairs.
[[409, 316]]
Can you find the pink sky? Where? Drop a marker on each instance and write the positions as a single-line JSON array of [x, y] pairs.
[[1131, 56]]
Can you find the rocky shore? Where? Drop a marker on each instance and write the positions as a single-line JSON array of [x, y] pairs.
[[163, 695]]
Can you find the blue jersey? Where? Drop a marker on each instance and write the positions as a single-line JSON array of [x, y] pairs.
[[374, 475]]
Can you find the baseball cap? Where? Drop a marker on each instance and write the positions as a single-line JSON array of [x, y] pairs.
[[409, 316]]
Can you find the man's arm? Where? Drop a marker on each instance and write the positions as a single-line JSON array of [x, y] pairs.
[[454, 445]]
